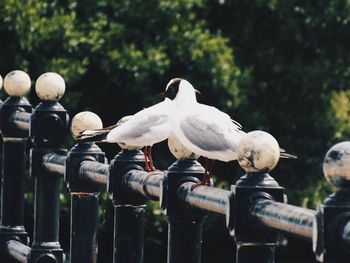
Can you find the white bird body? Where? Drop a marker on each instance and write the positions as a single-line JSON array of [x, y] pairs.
[[207, 131], [145, 128], [204, 129]]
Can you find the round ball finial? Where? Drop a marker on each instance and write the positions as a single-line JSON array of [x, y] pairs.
[[258, 151], [83, 121], [336, 165], [179, 150], [50, 86], [0, 82], [17, 83]]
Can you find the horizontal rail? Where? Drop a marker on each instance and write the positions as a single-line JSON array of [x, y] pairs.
[[346, 235], [287, 218], [94, 171], [21, 120], [54, 163], [206, 198], [147, 184], [18, 251]]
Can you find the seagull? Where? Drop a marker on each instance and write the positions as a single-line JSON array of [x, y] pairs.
[[141, 130], [202, 129]]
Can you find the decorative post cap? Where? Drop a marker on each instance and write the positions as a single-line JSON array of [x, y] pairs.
[[50, 86], [258, 151], [85, 120], [17, 83], [179, 150], [0, 82], [336, 165]]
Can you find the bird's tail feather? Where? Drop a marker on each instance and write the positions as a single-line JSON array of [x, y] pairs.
[[99, 135], [285, 155]]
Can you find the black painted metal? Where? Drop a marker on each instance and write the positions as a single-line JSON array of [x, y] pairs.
[[20, 119], [8, 108], [12, 208], [287, 218], [255, 253], [147, 184], [248, 236], [79, 153], [12, 195], [18, 251], [206, 198], [128, 234], [54, 163], [94, 172], [14, 165], [345, 235], [84, 203], [49, 124], [84, 222], [48, 140], [185, 224], [128, 208], [333, 217]]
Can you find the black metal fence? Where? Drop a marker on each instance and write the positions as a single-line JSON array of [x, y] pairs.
[[255, 208]]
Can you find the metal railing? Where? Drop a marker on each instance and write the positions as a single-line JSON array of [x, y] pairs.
[[254, 208]]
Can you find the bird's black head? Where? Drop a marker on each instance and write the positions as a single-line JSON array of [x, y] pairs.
[[172, 88]]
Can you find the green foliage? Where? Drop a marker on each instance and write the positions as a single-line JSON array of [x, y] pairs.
[[295, 59], [126, 49], [276, 65]]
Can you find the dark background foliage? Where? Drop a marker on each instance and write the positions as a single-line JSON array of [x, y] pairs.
[[278, 66]]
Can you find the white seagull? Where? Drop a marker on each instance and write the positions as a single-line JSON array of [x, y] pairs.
[[202, 129], [143, 129]]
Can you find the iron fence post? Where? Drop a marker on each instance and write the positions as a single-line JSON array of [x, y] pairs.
[[334, 213], [254, 243], [84, 204], [14, 162], [129, 209], [48, 131], [184, 223]]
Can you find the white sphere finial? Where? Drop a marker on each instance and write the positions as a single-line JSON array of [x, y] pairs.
[[0, 82], [258, 151], [336, 165], [17, 83], [50, 86], [85, 120], [179, 150]]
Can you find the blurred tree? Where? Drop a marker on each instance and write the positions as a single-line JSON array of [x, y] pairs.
[[295, 57], [115, 55]]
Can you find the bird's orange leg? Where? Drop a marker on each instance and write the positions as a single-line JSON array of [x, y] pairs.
[[145, 151], [149, 155], [210, 168], [207, 174]]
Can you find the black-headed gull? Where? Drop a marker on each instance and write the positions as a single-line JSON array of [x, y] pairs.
[[143, 129], [202, 129]]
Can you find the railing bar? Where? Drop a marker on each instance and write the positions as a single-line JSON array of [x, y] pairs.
[[346, 235], [287, 218], [94, 171], [54, 163], [18, 251], [21, 120], [147, 184], [204, 197]]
